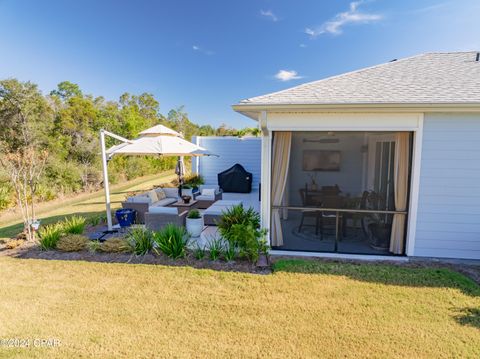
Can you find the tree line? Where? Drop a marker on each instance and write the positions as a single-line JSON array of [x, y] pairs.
[[63, 127]]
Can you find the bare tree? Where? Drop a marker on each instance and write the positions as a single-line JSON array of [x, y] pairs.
[[24, 167], [21, 109]]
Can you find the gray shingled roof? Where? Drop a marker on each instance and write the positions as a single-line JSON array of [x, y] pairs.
[[430, 78]]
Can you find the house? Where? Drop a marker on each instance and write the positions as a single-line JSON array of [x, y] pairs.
[[384, 160]]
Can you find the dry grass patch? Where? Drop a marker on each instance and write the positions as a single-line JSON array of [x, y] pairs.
[[302, 310]]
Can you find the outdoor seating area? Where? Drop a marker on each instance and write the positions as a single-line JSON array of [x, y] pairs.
[[163, 205]]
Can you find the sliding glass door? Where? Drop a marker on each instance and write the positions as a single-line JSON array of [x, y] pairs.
[[341, 192]]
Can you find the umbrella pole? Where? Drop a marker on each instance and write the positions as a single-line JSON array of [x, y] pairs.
[[105, 180]]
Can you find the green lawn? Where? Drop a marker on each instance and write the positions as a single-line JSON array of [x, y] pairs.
[[305, 309], [84, 204]]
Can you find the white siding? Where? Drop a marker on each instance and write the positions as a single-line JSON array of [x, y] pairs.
[[448, 218], [231, 150]]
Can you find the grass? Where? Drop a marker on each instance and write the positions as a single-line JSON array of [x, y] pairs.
[[302, 310], [86, 205]]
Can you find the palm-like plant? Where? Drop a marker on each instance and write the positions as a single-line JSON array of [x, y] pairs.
[[172, 241]]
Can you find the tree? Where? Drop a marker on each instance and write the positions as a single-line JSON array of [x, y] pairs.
[[25, 114], [66, 90]]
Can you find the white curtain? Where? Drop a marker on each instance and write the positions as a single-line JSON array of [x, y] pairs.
[[280, 160], [400, 174]]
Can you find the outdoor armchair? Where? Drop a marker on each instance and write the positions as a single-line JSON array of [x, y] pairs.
[[159, 217], [208, 195]]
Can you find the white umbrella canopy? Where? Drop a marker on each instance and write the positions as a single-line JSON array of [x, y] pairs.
[[164, 145], [159, 130], [159, 140]]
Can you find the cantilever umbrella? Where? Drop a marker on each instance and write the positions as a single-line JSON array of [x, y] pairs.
[[158, 140]]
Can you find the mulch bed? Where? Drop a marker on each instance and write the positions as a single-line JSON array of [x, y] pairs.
[[34, 251]]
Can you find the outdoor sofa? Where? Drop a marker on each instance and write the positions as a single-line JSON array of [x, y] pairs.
[[158, 217], [142, 203], [208, 195]]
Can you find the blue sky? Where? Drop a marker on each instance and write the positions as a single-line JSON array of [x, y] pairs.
[[207, 55]]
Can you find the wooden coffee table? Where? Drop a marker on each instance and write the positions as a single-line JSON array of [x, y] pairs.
[[182, 206]]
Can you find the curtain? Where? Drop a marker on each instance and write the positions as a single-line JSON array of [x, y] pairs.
[[400, 184], [280, 161]]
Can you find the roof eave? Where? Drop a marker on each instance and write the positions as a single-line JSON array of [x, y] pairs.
[[253, 110]]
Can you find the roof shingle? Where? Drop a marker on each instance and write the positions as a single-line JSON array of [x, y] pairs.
[[432, 78]]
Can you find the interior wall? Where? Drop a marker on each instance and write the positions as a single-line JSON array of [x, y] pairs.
[[350, 176]]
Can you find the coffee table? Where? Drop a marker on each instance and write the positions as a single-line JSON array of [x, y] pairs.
[[182, 206]]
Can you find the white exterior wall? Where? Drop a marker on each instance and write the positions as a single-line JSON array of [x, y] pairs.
[[231, 150], [448, 217]]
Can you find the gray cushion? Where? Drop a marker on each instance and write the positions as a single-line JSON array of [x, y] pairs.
[[171, 192], [204, 197], [164, 202], [139, 199], [163, 210], [220, 206]]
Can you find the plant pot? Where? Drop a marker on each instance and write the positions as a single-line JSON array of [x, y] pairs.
[[195, 226], [125, 217], [262, 261], [187, 192], [35, 224], [380, 236], [186, 199]]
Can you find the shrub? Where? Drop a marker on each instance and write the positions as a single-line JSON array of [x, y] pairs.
[[241, 229], [194, 180], [172, 240], [140, 240], [5, 195], [14, 243], [215, 248], [94, 246], [194, 214], [199, 252], [74, 225], [238, 215], [49, 236], [229, 252], [115, 245], [246, 238], [72, 243]]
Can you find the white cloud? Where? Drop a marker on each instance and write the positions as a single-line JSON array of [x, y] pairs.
[[302, 45], [287, 75], [352, 16], [202, 50], [270, 15]]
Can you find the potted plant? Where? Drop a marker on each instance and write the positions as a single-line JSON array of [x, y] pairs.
[[194, 181], [187, 190], [194, 223]]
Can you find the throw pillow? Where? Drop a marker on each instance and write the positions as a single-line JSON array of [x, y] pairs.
[[153, 196], [160, 194], [208, 192]]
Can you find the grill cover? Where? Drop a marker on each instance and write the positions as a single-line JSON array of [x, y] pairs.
[[235, 179]]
